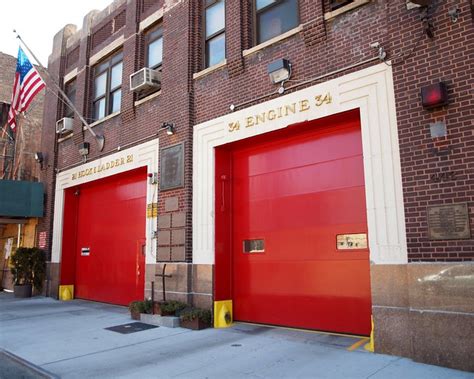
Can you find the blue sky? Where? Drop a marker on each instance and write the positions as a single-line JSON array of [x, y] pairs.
[[38, 21]]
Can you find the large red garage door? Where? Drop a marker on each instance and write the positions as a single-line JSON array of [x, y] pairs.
[[109, 261], [291, 198]]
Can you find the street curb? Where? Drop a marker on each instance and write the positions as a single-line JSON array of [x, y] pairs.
[[36, 369]]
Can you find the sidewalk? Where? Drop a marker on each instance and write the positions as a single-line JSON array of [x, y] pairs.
[[68, 339]]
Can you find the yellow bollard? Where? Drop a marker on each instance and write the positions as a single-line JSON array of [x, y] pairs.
[[223, 314], [370, 346], [66, 292]]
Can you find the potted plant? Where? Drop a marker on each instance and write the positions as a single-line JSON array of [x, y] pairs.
[[139, 306], [28, 270], [171, 307], [195, 318]]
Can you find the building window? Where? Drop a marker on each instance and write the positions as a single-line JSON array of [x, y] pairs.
[[107, 90], [215, 32], [275, 17], [70, 91], [154, 48]]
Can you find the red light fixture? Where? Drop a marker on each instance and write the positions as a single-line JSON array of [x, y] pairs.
[[434, 95]]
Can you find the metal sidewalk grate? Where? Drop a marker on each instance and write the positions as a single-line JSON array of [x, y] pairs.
[[132, 327]]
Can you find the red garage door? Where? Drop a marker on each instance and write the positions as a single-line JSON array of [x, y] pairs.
[[292, 197], [109, 243]]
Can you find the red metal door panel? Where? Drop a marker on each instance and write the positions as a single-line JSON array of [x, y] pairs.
[[298, 194], [111, 223]]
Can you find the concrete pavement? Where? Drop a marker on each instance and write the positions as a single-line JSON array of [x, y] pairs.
[[68, 339]]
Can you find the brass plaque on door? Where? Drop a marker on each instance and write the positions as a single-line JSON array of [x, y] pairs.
[[351, 241], [449, 222], [254, 246]]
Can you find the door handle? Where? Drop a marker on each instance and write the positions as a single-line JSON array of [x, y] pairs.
[[223, 179]]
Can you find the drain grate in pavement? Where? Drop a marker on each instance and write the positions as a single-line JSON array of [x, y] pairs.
[[132, 327]]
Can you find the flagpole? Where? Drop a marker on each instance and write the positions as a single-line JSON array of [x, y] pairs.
[[99, 139]]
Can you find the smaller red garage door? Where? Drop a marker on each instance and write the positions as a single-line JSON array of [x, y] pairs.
[[109, 251], [292, 197]]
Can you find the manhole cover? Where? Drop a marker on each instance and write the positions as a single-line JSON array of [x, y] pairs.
[[133, 327]]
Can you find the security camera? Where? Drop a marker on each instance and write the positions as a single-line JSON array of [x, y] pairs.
[[375, 45]]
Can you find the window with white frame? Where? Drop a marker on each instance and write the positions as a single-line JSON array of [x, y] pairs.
[[107, 86], [70, 91], [275, 17], [154, 48], [214, 16]]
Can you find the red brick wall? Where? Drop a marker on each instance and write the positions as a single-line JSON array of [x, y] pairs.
[[28, 133], [448, 57], [321, 47], [135, 124]]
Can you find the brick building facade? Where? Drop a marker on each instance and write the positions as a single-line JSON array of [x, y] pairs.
[[364, 59], [17, 162]]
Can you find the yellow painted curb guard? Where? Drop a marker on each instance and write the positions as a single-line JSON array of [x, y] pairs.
[[370, 346], [66, 292], [223, 314]]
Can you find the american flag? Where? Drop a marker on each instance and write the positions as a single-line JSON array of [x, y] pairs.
[[25, 87]]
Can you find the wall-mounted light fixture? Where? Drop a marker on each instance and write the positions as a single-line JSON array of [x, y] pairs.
[[153, 178], [84, 150], [279, 70], [454, 14], [39, 158], [169, 127], [434, 95]]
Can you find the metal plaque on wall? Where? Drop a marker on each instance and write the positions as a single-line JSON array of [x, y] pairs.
[[449, 222], [172, 167], [351, 241]]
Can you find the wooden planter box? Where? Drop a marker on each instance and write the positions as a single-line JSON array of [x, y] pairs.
[[135, 315], [195, 324]]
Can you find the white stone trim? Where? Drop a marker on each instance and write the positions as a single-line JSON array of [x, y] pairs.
[[210, 69], [371, 91], [145, 155], [101, 120], [150, 20], [346, 8], [147, 98], [273, 41], [110, 48], [70, 75]]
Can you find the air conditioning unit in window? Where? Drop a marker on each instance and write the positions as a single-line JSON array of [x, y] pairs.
[[145, 79], [64, 125]]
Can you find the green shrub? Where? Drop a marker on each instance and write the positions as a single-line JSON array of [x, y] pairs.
[[191, 313], [141, 306], [172, 306], [29, 266]]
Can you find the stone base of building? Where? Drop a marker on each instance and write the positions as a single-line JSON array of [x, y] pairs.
[[51, 286], [188, 283], [425, 311]]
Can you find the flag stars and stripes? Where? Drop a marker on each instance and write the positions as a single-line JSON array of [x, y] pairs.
[[26, 85]]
